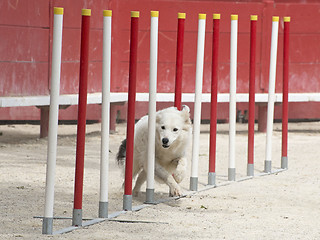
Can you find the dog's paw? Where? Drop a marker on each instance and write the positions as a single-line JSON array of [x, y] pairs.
[[135, 193], [180, 171], [178, 176], [175, 162], [175, 192]]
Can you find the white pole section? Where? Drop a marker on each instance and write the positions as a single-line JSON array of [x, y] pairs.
[[152, 105], [197, 102], [271, 95], [53, 120], [232, 103], [105, 115]]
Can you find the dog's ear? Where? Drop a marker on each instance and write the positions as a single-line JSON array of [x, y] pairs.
[[185, 108], [158, 117], [186, 114]]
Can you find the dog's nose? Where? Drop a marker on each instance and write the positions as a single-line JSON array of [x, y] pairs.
[[165, 140]]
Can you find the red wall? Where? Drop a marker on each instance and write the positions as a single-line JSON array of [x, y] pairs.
[[25, 50]]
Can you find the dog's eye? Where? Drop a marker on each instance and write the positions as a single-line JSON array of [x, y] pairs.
[[175, 129], [163, 127]]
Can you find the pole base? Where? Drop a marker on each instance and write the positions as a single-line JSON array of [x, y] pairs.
[[103, 209], [231, 174], [284, 162], [193, 184], [212, 178], [77, 217], [149, 196], [267, 166], [47, 226], [127, 202], [250, 169]]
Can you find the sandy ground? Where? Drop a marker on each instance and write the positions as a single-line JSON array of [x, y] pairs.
[[279, 206]]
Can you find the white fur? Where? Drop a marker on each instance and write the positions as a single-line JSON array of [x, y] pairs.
[[170, 159]]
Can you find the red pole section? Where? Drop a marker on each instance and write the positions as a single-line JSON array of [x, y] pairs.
[[179, 63], [214, 98], [284, 159], [127, 201], [82, 109], [251, 120]]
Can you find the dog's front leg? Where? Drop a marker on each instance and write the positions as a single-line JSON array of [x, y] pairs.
[[140, 180], [165, 176], [180, 169]]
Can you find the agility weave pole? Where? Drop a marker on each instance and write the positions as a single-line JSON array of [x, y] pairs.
[[197, 103], [127, 197], [179, 61], [271, 93], [47, 224], [105, 115], [152, 105], [82, 112], [214, 100], [252, 76], [285, 92], [232, 103]]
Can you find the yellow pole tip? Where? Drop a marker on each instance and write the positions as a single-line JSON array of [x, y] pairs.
[[254, 17], [135, 14], [286, 19], [275, 19], [58, 11], [181, 15], [202, 16], [86, 12], [107, 13], [234, 17], [154, 13], [216, 16]]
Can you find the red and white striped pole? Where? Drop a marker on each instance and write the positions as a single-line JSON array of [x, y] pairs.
[[214, 98], [82, 111], [179, 61], [127, 197], [251, 120], [284, 157]]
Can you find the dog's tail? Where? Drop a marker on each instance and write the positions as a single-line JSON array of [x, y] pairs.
[[121, 155]]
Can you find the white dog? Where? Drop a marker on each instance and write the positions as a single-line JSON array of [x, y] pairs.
[[173, 135]]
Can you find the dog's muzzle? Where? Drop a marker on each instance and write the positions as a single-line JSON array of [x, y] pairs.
[[165, 142]]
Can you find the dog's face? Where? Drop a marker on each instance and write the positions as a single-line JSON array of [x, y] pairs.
[[170, 124]]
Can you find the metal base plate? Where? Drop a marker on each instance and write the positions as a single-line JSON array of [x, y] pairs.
[[149, 196], [127, 202], [284, 162], [231, 174], [47, 226], [77, 217], [250, 169], [103, 209], [212, 178], [267, 166], [193, 184]]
